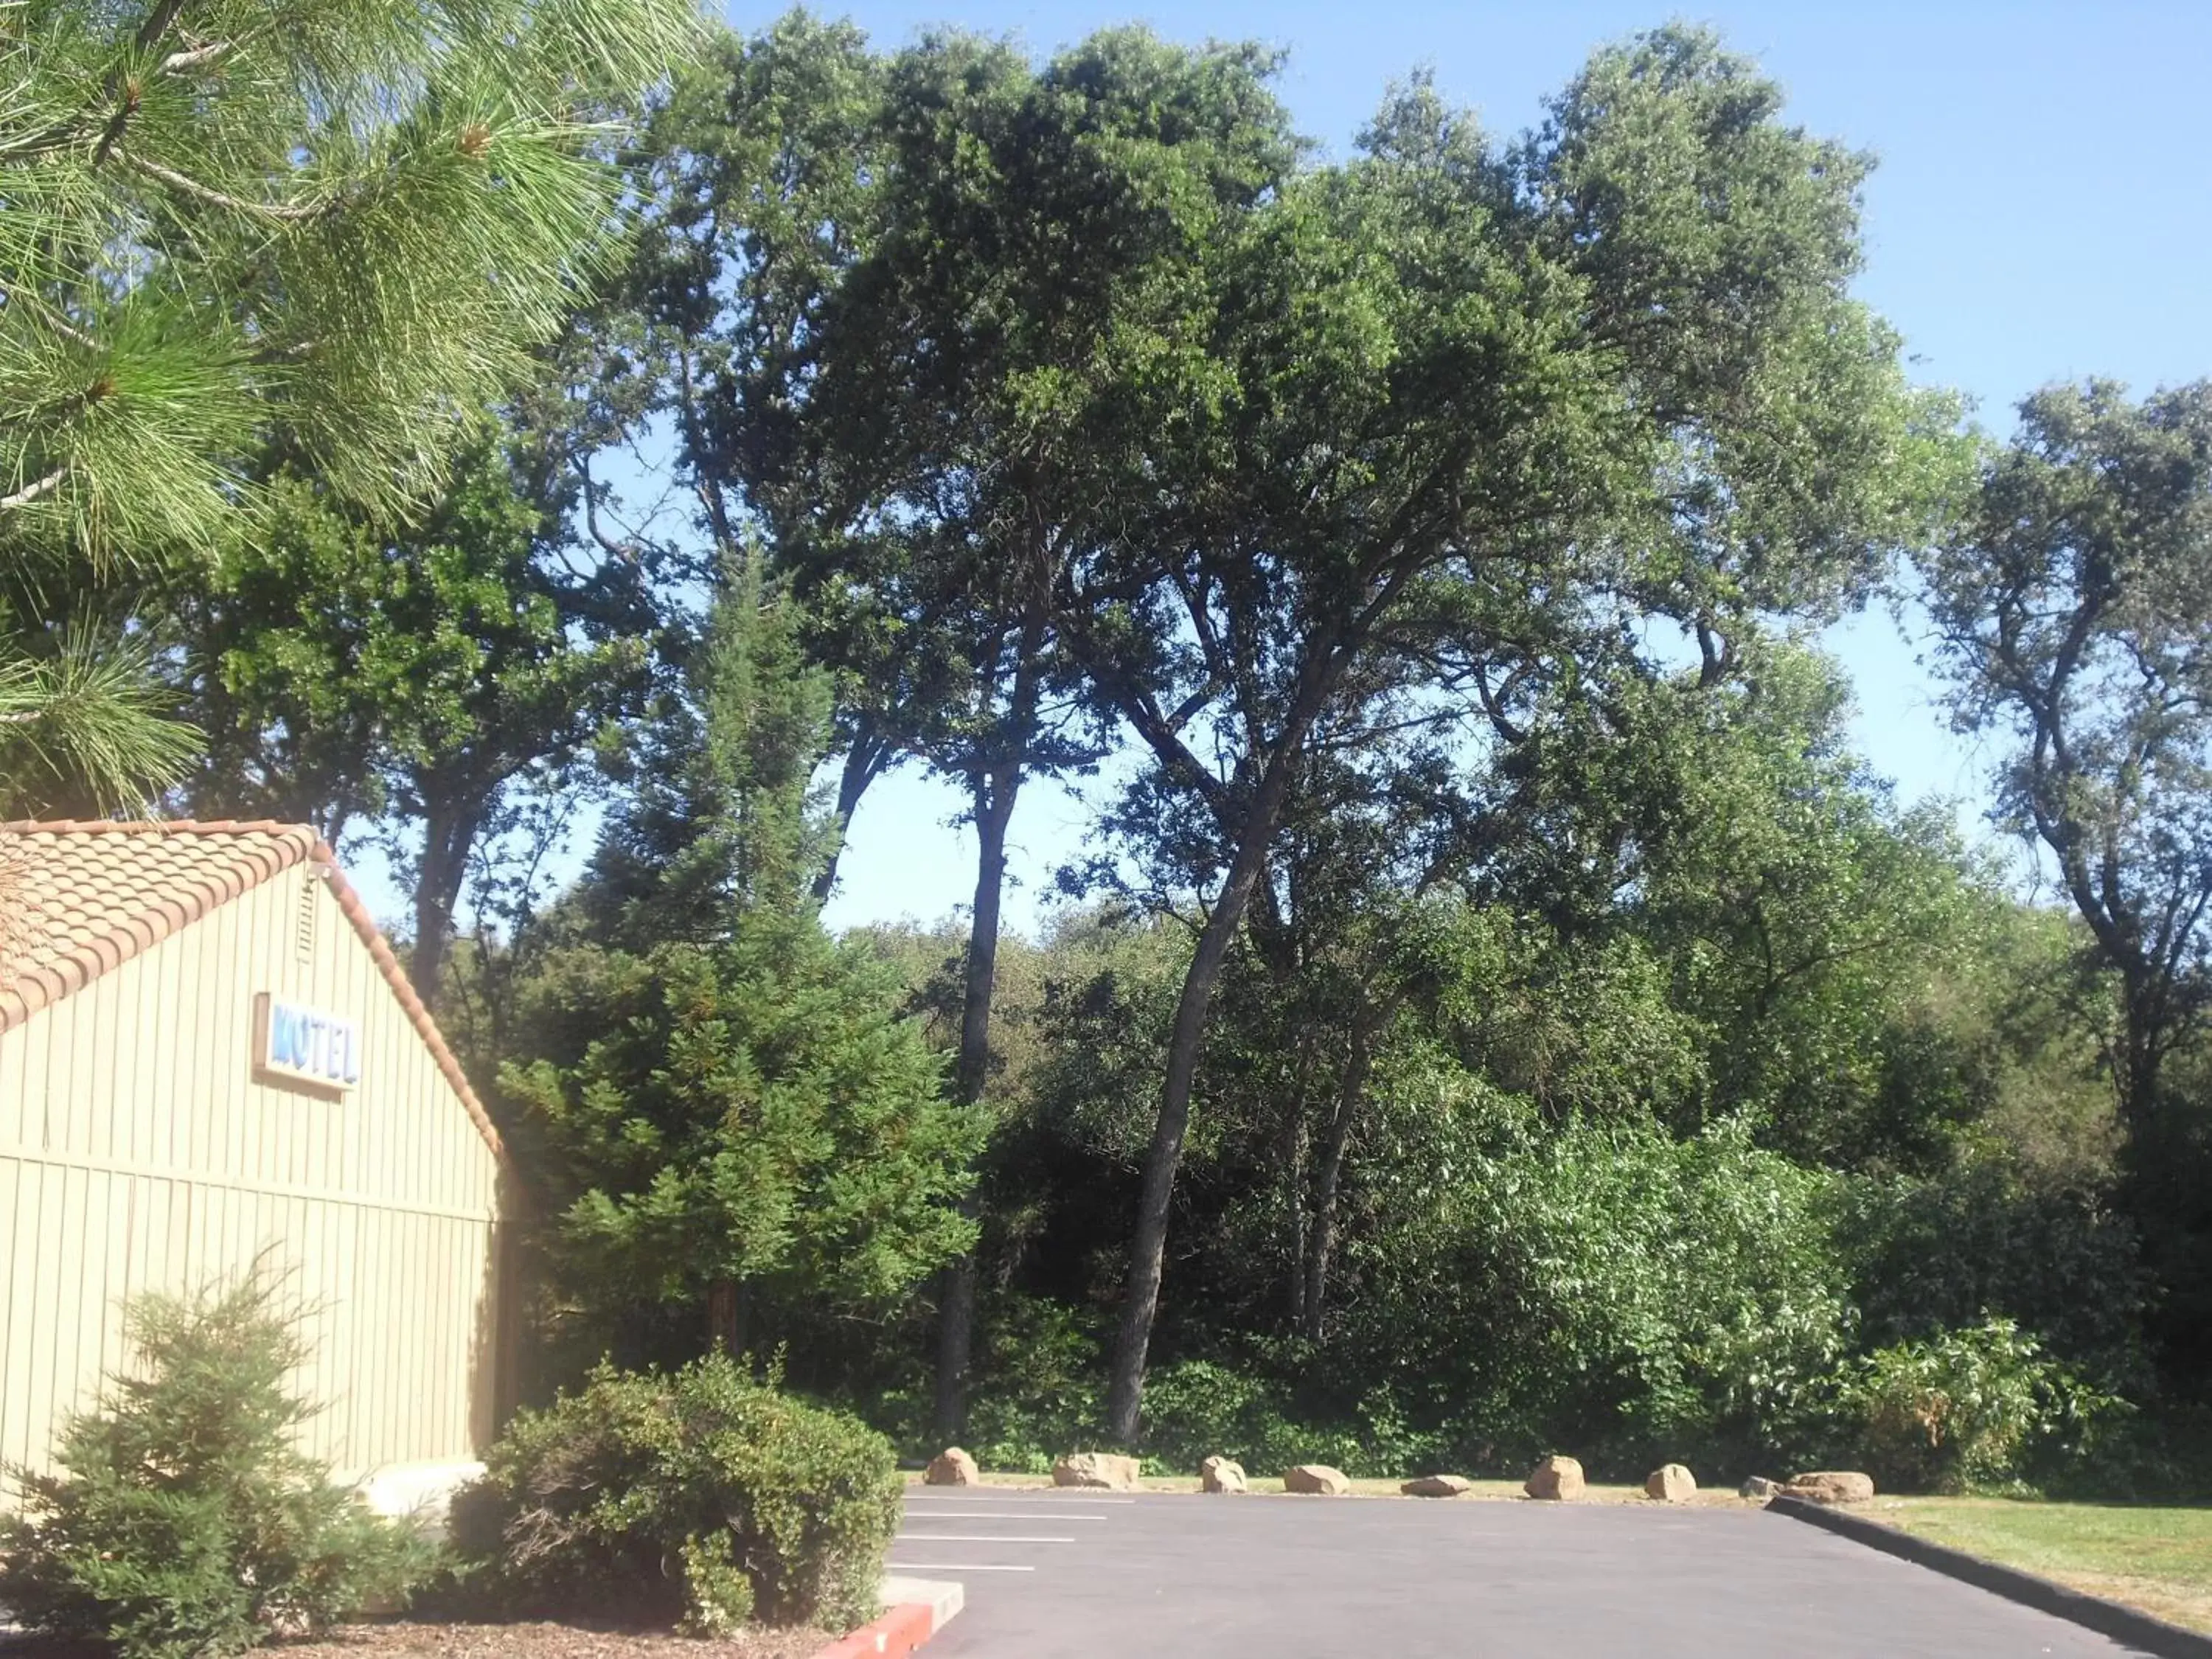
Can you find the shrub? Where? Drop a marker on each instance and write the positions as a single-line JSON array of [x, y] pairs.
[[1969, 1408], [1197, 1407], [187, 1522], [697, 1498], [1598, 1285], [1927, 1256], [1038, 1395]]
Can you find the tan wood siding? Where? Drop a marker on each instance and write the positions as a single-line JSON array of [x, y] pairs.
[[138, 1151]]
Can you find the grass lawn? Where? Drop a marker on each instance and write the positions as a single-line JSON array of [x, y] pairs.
[[2158, 1559]]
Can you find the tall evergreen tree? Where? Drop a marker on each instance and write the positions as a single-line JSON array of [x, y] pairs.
[[751, 1134]]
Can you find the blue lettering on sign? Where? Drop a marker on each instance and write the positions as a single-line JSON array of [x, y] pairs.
[[307, 1043]]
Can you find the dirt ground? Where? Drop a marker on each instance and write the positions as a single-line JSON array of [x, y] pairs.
[[543, 1641]]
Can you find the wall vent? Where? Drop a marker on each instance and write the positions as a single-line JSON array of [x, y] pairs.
[[303, 926]]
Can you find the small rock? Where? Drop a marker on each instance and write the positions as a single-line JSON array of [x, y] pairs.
[[1318, 1479], [951, 1467], [1831, 1486], [1438, 1486], [1220, 1474], [1557, 1479], [1108, 1470], [1670, 1483], [1759, 1486]]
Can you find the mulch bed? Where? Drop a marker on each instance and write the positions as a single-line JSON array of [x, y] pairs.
[[517, 1641], [545, 1641]]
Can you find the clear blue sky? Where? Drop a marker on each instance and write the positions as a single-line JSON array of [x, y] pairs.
[[2043, 210]]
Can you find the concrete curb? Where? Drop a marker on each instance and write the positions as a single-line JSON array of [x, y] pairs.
[[915, 1609], [2123, 1623]]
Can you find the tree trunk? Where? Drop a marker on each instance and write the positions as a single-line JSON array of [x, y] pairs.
[[1125, 1394], [868, 759], [1290, 1152], [449, 835], [722, 1334], [1323, 1242], [994, 791], [956, 1324], [2149, 1024]]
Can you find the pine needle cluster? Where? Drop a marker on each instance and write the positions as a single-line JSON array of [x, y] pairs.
[[330, 225]]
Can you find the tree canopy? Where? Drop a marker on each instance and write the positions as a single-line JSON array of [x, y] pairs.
[[1491, 1005]]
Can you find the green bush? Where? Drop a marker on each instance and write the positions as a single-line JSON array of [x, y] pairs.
[[188, 1523], [1038, 1397], [1195, 1409], [1970, 1408], [699, 1498], [1926, 1257], [1596, 1286]]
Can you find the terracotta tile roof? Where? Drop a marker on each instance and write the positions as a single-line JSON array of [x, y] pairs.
[[79, 897]]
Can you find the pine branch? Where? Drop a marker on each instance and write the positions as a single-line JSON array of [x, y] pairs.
[[38, 489], [213, 197], [177, 62], [158, 20], [88, 721], [56, 321]]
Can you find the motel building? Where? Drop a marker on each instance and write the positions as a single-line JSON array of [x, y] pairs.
[[209, 1057]]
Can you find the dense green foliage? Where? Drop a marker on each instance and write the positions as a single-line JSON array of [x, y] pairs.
[[1511, 1014], [1973, 1408], [697, 1496], [1495, 1010], [453, 675], [185, 1523]]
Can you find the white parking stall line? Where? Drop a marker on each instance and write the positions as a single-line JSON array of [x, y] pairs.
[[925, 1512], [958, 1513], [1038, 1498], [981, 1538]]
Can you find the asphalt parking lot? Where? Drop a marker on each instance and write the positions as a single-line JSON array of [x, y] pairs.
[[1056, 1575]]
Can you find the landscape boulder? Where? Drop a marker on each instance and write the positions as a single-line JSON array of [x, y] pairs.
[[951, 1467], [1558, 1480], [1831, 1486], [1317, 1479], [1220, 1474], [1759, 1486], [1670, 1483], [1107, 1470], [1438, 1486]]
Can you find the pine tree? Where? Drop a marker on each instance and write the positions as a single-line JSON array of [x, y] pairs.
[[754, 1134], [188, 1523], [329, 224]]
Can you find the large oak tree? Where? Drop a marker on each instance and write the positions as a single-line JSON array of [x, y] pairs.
[[1473, 403]]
